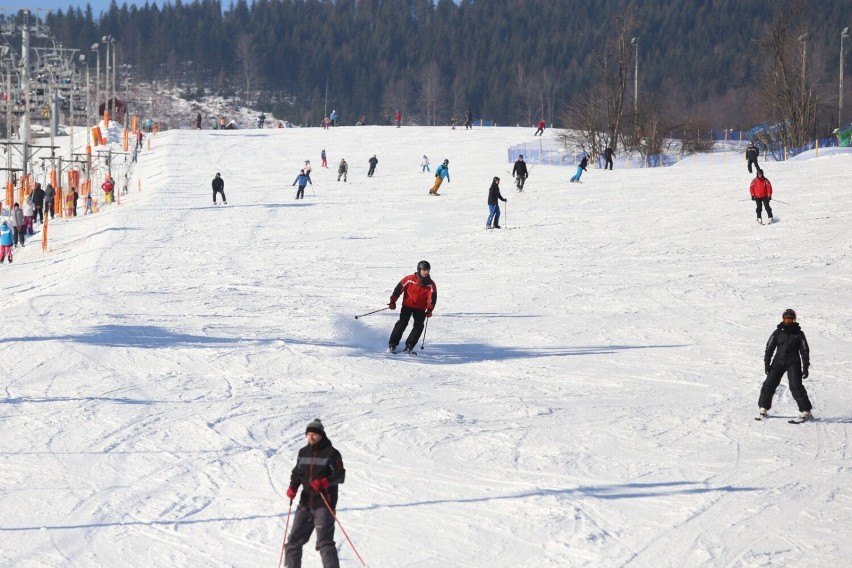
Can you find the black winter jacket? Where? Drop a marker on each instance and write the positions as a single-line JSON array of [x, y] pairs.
[[752, 153], [38, 197], [520, 169], [314, 462], [789, 345], [494, 194]]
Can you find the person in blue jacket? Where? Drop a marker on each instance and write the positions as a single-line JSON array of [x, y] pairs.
[[441, 172], [580, 169], [333, 118], [5, 241], [303, 180]]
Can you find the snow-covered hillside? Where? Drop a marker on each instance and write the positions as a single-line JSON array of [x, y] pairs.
[[585, 395]]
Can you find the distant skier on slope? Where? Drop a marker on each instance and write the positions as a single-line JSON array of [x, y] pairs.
[[752, 152], [792, 355], [319, 471], [219, 187], [419, 296], [342, 170], [373, 162], [441, 172], [581, 167], [494, 198], [761, 193], [303, 180], [520, 173]]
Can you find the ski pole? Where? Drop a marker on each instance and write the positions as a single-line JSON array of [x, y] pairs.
[[325, 500], [373, 312], [779, 201], [286, 526], [425, 329], [506, 216]]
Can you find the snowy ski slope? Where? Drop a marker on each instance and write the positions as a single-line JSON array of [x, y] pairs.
[[584, 398]]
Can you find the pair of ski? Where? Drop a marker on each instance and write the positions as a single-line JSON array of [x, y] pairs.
[[394, 352], [761, 417]]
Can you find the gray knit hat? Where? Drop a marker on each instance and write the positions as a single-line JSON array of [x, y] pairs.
[[315, 426]]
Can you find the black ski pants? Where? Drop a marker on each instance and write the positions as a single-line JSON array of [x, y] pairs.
[[300, 193], [761, 203], [750, 162], [304, 522], [222, 191], [48, 207], [608, 163], [406, 314], [39, 214], [794, 377]]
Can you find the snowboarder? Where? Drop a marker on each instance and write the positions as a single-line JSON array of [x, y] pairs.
[[752, 152], [373, 162], [49, 196], [441, 172], [608, 154], [580, 169], [494, 198], [324, 162], [342, 169], [520, 172], [303, 180], [6, 241], [424, 165], [540, 131], [319, 471], [792, 356], [18, 224], [761, 193], [219, 187], [38, 202], [420, 294]]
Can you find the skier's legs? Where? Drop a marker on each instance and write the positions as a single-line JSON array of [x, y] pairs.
[[759, 203], [417, 329], [438, 181], [767, 391], [492, 210], [767, 207], [399, 327], [324, 525], [519, 181], [797, 389], [303, 526]]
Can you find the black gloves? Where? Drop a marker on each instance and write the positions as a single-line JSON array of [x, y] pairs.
[[766, 369], [769, 198], [752, 198], [805, 374]]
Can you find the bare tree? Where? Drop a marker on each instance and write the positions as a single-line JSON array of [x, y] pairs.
[[582, 119], [613, 63], [787, 95], [398, 95], [247, 62], [432, 94]]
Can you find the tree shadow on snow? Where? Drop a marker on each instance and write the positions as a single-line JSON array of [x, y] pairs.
[[143, 336]]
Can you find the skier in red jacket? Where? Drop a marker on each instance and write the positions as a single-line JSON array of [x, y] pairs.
[[761, 192], [419, 295]]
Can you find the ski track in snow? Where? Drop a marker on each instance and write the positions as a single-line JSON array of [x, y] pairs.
[[584, 398]]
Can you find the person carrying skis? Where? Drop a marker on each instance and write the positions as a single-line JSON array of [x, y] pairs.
[[303, 180], [581, 167], [219, 187], [342, 169], [540, 131], [752, 152], [520, 172], [319, 471], [761, 193], [494, 198], [419, 296], [792, 356], [373, 162], [441, 172], [6, 240], [608, 154]]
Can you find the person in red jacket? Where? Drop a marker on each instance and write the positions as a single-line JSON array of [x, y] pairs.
[[419, 295], [398, 119], [540, 130], [761, 192]]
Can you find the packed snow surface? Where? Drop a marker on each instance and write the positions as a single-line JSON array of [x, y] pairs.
[[585, 395]]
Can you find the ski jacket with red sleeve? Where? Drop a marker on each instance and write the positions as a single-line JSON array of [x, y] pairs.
[[760, 188], [417, 295]]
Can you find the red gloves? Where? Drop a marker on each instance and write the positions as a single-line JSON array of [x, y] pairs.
[[320, 483], [392, 304], [429, 308], [291, 493]]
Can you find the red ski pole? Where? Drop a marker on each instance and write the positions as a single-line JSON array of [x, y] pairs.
[[324, 500], [286, 526]]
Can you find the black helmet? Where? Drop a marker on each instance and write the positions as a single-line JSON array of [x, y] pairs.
[[789, 313], [446, 162], [423, 264], [496, 179]]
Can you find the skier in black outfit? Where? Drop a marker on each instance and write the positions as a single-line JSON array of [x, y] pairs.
[[608, 154], [38, 202], [319, 470], [520, 172], [219, 187], [792, 356], [752, 152], [373, 162], [494, 198]]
